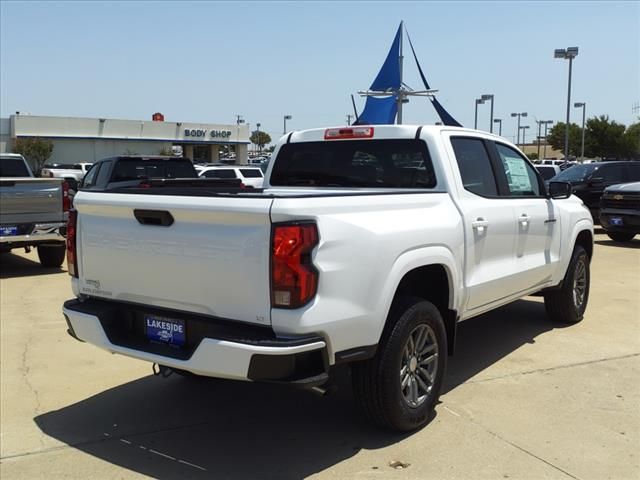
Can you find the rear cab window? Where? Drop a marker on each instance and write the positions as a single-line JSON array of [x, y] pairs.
[[13, 167], [220, 173], [380, 163], [127, 169]]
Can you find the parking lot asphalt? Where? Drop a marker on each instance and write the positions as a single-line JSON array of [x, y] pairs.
[[524, 399]]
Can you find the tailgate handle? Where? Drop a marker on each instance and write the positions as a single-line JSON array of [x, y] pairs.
[[160, 218]]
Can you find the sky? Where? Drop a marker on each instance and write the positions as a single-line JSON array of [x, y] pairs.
[[210, 61]]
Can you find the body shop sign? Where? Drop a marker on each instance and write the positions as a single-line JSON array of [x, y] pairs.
[[203, 134]]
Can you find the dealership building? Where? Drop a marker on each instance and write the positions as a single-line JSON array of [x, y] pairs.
[[77, 139]]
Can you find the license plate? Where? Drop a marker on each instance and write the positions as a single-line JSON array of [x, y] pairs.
[[616, 221], [7, 231], [165, 330]]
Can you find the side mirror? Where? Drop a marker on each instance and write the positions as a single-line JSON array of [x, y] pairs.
[[560, 190]]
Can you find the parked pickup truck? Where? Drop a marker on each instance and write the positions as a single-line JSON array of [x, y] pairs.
[[33, 211], [367, 245], [620, 211], [129, 170], [72, 172]]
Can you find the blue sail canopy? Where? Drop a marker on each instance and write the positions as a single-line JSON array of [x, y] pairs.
[[383, 110], [379, 111], [446, 118], [389, 75]]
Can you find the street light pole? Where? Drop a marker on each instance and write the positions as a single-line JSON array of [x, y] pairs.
[[546, 123], [485, 98], [475, 121], [568, 53], [498, 121], [258, 136], [584, 109], [524, 131], [284, 129], [522, 114]]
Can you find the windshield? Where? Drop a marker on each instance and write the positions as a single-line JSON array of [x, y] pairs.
[[577, 173], [355, 163], [13, 167]]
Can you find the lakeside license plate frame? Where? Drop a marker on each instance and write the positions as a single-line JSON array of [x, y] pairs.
[[168, 331], [8, 230], [615, 221]]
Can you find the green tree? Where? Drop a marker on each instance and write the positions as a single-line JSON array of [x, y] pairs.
[[36, 150], [556, 138], [260, 138], [532, 156], [604, 138], [631, 141]]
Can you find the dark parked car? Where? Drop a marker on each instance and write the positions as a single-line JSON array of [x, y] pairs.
[[589, 180], [620, 211]]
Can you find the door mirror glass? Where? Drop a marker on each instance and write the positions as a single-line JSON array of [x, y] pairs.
[[560, 190]]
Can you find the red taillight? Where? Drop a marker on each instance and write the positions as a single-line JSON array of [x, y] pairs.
[[349, 132], [66, 199], [72, 259], [294, 280]]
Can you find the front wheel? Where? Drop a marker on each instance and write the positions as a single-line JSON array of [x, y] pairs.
[[621, 236], [399, 387], [51, 256], [568, 303]]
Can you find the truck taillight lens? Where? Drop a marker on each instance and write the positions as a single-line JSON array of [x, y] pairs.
[[294, 279], [66, 199], [72, 258]]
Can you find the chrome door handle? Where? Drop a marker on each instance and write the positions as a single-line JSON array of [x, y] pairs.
[[523, 219]]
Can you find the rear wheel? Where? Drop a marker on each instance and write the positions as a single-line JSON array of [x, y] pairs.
[[51, 256], [399, 387], [621, 236], [568, 303]]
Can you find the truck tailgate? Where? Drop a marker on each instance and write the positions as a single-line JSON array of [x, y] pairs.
[[30, 200], [213, 259]]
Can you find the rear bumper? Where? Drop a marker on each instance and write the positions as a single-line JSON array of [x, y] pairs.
[[39, 233], [213, 348]]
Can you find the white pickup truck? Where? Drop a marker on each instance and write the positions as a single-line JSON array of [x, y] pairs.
[[367, 245]]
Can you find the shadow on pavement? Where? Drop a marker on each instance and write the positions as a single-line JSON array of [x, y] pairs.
[[180, 427], [486, 339], [200, 428], [12, 266], [635, 243]]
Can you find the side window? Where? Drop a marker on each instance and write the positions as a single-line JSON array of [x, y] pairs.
[[522, 179], [90, 178], [475, 166], [611, 173], [103, 175], [634, 172]]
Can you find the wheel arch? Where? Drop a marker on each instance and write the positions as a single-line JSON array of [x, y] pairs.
[[433, 278]]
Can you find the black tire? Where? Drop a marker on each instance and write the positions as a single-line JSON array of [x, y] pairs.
[[51, 256], [377, 381], [567, 304], [621, 236]]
